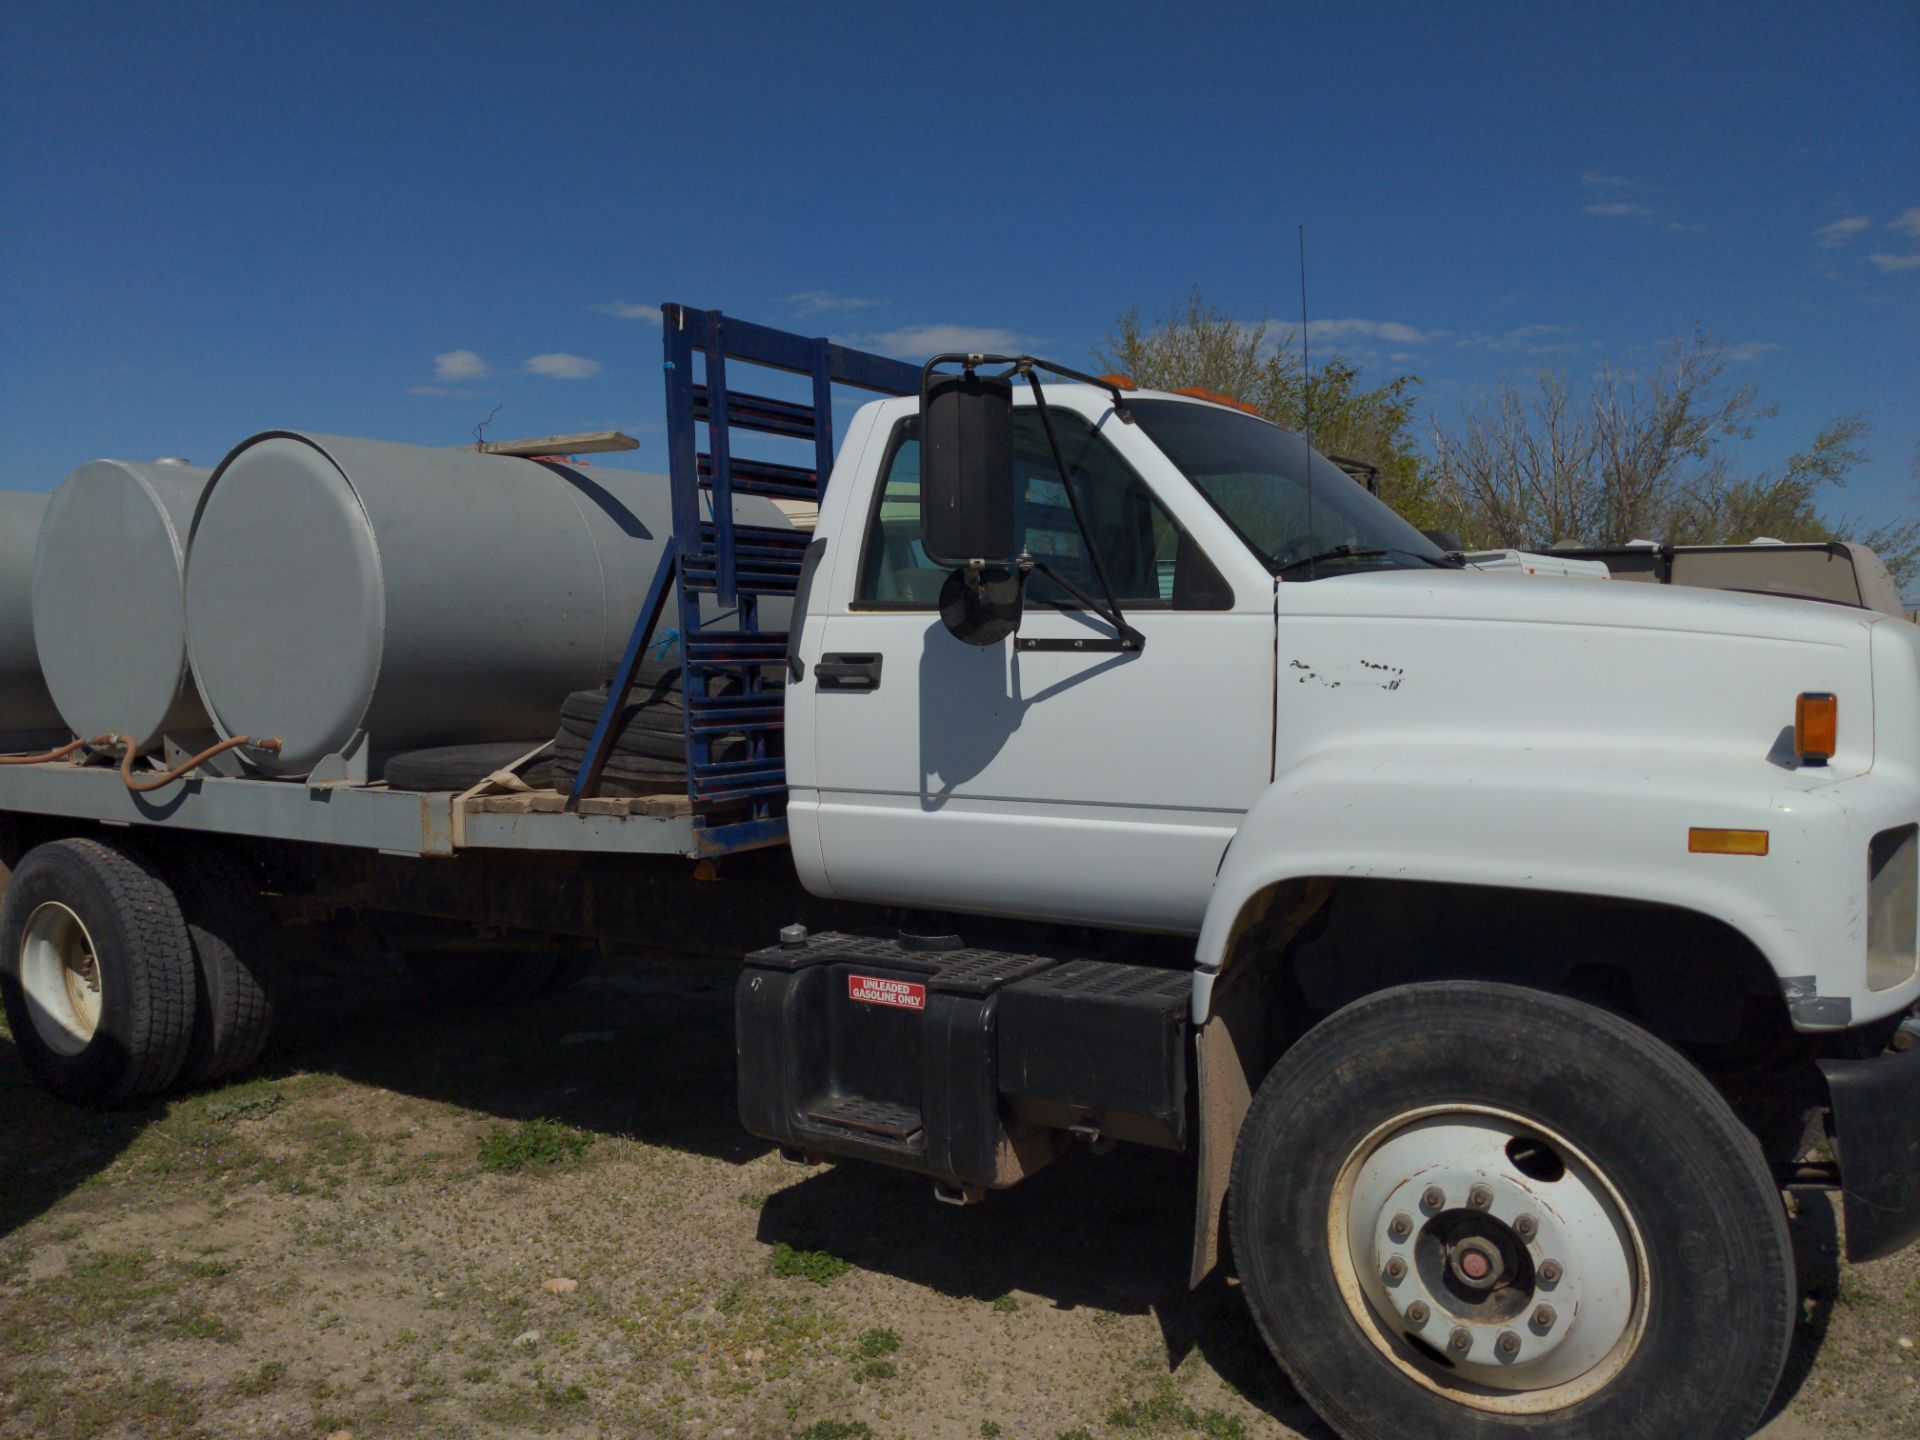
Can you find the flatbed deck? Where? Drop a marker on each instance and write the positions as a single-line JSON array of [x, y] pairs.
[[371, 817]]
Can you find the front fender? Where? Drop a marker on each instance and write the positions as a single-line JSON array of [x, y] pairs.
[[1585, 822]]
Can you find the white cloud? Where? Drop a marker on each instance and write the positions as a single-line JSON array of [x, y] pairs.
[[1618, 207], [1750, 350], [561, 366], [938, 339], [1600, 180], [1390, 332], [1842, 230], [627, 310], [1893, 264], [821, 302], [439, 390], [1908, 223], [1527, 339], [459, 365]]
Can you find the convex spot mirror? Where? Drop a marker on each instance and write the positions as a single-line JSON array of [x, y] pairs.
[[981, 605], [966, 470]]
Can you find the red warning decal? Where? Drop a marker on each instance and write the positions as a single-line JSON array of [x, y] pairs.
[[872, 990]]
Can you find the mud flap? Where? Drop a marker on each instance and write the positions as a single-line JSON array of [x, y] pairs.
[[1227, 1052], [1876, 1136]]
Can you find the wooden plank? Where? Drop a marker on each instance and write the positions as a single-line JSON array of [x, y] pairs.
[[591, 442], [547, 802], [662, 807], [501, 805], [605, 805]]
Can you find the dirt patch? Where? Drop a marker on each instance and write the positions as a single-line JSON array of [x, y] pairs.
[[363, 1239]]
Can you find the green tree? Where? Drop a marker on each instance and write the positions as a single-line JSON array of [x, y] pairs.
[[1198, 345], [1646, 455]]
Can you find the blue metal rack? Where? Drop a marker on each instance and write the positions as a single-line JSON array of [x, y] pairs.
[[738, 803]]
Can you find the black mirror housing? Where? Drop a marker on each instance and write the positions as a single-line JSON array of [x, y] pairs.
[[966, 469], [983, 606]]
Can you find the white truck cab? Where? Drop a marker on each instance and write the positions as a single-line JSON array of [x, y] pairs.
[[1392, 717], [1528, 925]]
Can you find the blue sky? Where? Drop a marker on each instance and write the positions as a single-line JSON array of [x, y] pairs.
[[385, 220]]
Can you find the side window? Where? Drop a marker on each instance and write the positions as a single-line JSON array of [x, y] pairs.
[[1149, 560]]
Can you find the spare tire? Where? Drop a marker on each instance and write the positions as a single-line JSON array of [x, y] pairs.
[[461, 767], [657, 703]]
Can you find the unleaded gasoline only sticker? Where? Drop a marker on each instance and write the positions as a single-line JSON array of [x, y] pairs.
[[872, 990]]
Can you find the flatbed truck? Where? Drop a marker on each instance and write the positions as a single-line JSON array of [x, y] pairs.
[[1499, 949]]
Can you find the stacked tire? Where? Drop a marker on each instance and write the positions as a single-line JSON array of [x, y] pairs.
[[648, 755]]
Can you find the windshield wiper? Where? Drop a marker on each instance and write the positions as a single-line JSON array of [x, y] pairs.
[[1348, 552]]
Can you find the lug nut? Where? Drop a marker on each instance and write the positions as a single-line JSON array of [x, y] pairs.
[[1461, 1340], [1549, 1272], [1417, 1313], [1508, 1344], [1434, 1198], [1400, 1227], [1479, 1197], [1543, 1317], [1396, 1268], [1525, 1226]]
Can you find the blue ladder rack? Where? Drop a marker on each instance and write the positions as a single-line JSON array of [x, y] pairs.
[[739, 803]]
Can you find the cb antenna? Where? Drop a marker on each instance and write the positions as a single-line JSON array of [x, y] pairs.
[[1306, 387]]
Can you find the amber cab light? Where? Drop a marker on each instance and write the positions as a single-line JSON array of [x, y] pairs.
[[1702, 841], [1816, 727], [1119, 382]]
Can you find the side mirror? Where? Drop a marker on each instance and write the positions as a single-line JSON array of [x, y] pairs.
[[981, 605], [966, 469]]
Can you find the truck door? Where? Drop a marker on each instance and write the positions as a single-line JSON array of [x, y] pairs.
[[1054, 783]]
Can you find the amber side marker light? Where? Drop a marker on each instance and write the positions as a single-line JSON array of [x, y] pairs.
[[1816, 727], [1727, 842]]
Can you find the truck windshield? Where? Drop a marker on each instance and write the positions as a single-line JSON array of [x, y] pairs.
[[1255, 475]]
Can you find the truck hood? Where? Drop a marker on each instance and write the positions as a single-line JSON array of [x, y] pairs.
[[1592, 665]]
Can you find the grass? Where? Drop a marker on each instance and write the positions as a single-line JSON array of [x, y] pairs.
[[840, 1430], [1165, 1409], [819, 1266], [531, 1145], [249, 1100], [262, 1381]]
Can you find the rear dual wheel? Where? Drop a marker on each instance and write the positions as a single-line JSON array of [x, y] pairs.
[[1465, 1209], [121, 978], [96, 973]]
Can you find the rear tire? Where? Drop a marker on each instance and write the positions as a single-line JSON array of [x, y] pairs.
[[96, 972], [236, 952], [1477, 1210]]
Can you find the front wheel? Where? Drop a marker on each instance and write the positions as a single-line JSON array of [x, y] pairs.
[[1468, 1209]]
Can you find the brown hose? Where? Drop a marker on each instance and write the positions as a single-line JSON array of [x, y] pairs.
[[59, 754], [40, 759], [141, 787]]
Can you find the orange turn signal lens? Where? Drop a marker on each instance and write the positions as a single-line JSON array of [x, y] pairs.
[[1727, 842], [1816, 727], [1123, 382]]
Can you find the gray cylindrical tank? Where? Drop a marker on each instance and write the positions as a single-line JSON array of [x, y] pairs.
[[108, 619], [27, 713], [339, 589]]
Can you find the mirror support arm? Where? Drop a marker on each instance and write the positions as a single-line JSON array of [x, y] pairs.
[[1111, 614]]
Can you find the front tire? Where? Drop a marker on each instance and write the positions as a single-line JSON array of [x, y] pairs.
[[96, 973], [1469, 1209]]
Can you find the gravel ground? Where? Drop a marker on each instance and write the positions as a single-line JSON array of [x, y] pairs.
[[545, 1220]]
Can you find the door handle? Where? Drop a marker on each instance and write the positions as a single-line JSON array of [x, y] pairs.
[[847, 672]]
